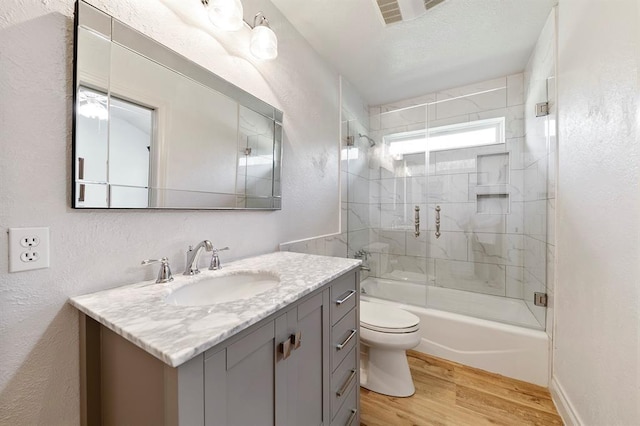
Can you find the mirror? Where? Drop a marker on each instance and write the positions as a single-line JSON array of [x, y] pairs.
[[155, 130]]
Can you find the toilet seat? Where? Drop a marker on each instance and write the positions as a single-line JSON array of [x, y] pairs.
[[387, 319]]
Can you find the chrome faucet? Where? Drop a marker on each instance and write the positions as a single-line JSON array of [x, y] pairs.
[[193, 255], [215, 259], [164, 274]]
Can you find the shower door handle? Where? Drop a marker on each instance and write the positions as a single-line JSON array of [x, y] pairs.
[[438, 222], [416, 221]]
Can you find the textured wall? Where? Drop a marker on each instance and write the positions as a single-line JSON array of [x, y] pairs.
[[93, 250], [597, 327], [354, 164]]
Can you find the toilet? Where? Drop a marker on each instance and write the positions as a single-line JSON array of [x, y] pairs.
[[386, 332]]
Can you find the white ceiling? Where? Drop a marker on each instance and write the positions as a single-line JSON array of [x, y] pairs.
[[455, 43]]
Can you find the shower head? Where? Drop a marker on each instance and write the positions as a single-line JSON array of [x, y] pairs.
[[372, 143]]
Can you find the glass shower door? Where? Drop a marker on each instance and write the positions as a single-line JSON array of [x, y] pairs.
[[399, 216]]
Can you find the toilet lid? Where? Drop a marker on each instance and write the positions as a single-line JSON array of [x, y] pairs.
[[386, 318]]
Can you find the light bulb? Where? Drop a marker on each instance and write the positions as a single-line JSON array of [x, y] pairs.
[[227, 15], [264, 43]]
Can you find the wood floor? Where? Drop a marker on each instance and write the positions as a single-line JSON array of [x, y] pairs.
[[448, 393]]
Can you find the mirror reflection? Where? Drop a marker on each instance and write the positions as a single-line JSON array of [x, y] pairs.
[[150, 136]]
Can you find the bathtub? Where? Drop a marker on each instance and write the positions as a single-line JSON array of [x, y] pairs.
[[513, 351]]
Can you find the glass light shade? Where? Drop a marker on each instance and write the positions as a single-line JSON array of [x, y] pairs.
[[226, 14], [264, 43]]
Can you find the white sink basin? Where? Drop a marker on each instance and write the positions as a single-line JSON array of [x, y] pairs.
[[226, 288]]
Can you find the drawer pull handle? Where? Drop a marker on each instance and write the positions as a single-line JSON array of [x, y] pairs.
[[347, 383], [352, 417], [347, 340], [345, 298]]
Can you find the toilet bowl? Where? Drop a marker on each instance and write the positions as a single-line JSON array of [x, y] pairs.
[[386, 332]]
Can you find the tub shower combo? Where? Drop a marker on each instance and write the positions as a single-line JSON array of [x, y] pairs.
[[446, 206]]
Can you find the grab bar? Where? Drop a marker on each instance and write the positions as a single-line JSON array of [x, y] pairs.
[[416, 221], [438, 222]]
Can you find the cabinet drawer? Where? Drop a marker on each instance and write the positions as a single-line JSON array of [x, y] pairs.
[[343, 380], [348, 415], [343, 296], [344, 337]]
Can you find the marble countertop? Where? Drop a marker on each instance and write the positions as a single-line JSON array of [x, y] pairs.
[[175, 334]]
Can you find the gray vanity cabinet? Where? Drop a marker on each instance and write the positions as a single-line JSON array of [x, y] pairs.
[[273, 375], [285, 370]]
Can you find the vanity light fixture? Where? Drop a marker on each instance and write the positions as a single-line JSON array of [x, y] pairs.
[[226, 15], [264, 43]]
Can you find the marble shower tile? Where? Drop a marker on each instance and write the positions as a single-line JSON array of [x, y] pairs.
[[399, 216], [448, 188], [447, 106], [455, 161], [535, 258], [515, 146], [470, 276], [411, 102], [416, 246], [310, 246], [344, 217], [409, 268], [462, 217], [493, 169], [403, 117], [450, 246], [358, 191], [395, 240], [535, 219], [336, 245], [357, 240], [358, 216], [501, 249], [515, 282], [515, 218]]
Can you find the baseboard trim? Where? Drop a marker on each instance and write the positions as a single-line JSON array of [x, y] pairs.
[[563, 405]]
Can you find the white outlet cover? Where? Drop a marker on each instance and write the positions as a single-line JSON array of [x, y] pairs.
[[28, 249]]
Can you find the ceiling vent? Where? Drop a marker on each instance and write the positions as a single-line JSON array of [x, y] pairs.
[[390, 10], [393, 11], [428, 4]]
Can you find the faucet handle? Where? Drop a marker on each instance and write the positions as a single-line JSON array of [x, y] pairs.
[[215, 259], [164, 274]]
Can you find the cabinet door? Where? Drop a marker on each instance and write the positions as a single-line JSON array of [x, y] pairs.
[[240, 380], [303, 397]]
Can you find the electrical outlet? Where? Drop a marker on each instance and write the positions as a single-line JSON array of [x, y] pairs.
[[28, 249]]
